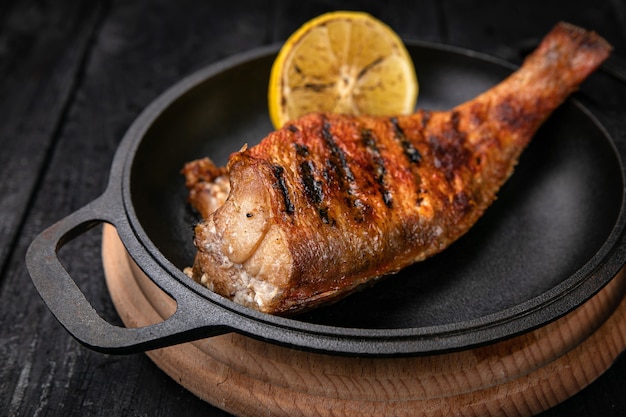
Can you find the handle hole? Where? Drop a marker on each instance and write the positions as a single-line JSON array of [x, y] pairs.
[[138, 300], [80, 256]]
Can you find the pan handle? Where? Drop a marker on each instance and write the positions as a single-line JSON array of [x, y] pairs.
[[70, 307]]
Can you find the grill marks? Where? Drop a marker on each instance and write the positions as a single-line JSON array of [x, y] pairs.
[[327, 178], [327, 174], [378, 164], [341, 176], [411, 153], [281, 186], [337, 163], [338, 171], [313, 187], [409, 150]]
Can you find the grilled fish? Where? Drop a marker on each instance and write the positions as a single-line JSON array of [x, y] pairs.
[[331, 202]]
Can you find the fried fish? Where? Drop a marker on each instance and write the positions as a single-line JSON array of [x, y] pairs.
[[332, 202]]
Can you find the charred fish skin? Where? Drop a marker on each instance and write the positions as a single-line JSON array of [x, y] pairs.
[[332, 202]]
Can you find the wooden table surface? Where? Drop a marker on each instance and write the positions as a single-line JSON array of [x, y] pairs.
[[75, 74]]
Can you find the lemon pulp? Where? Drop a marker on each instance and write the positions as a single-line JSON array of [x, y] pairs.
[[342, 62]]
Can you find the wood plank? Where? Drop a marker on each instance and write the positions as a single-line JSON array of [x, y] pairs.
[[413, 20], [139, 50], [510, 29], [43, 46]]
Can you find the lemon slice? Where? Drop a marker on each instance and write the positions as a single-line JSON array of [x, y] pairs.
[[342, 62]]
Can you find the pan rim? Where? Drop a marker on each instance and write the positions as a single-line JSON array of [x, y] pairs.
[[537, 311]]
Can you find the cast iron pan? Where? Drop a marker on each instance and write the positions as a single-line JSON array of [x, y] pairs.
[[552, 240]]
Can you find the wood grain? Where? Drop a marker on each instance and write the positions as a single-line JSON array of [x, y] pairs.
[[40, 74], [522, 376]]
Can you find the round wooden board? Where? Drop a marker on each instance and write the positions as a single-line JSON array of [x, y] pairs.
[[522, 376]]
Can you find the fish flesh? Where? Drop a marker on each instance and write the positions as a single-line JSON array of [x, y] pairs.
[[330, 202]]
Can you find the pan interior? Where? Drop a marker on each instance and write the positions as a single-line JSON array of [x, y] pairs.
[[550, 219]]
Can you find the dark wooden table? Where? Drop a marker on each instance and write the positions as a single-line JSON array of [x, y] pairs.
[[74, 75]]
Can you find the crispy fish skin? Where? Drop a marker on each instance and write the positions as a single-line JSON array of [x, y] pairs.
[[332, 202]]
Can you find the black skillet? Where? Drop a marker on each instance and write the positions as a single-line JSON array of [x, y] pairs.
[[552, 240]]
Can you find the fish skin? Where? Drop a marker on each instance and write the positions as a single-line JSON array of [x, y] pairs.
[[331, 203]]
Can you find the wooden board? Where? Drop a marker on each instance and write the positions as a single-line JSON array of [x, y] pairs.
[[522, 376]]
